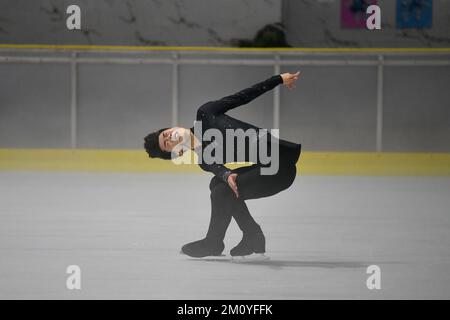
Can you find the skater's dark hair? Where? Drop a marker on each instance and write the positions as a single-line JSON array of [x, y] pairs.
[[151, 145]]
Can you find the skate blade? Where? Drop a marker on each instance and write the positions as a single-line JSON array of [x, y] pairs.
[[222, 257], [213, 257], [255, 257]]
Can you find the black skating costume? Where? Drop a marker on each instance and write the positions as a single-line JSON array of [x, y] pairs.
[[251, 184]]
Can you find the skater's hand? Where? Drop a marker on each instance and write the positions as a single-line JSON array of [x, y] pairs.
[[232, 183], [290, 78]]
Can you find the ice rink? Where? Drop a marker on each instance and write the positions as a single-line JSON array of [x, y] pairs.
[[125, 232]]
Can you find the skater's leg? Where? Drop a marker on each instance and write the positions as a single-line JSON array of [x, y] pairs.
[[253, 185], [225, 205], [222, 200], [243, 217]]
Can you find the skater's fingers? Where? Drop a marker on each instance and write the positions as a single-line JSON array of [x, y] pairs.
[[236, 192], [233, 187], [236, 189], [232, 184]]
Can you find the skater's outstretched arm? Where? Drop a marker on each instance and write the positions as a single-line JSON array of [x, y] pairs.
[[247, 95]]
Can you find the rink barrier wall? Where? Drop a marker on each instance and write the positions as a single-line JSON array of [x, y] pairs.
[[384, 112], [310, 163]]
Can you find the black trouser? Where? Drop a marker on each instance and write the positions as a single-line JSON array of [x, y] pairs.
[[251, 185]]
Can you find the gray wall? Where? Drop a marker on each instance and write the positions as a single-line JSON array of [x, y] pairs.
[[34, 105], [315, 23], [308, 23], [333, 108], [136, 22], [417, 112], [118, 104]]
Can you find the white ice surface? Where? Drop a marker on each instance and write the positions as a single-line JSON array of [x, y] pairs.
[[125, 232]]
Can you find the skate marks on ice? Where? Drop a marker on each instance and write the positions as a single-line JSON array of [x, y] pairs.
[[280, 263], [253, 258]]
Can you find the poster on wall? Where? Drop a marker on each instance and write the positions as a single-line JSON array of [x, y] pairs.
[[414, 14], [353, 13]]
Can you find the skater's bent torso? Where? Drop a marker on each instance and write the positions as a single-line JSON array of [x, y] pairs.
[[212, 116]]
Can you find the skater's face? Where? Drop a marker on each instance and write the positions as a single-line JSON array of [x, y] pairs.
[[169, 138]]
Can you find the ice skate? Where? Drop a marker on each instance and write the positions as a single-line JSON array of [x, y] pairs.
[[203, 248], [252, 246]]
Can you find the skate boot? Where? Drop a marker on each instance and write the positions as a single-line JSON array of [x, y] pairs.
[[203, 248], [252, 246]]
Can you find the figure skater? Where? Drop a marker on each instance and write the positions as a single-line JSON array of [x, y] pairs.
[[229, 189]]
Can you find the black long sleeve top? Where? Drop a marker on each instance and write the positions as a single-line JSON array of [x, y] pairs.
[[212, 115]]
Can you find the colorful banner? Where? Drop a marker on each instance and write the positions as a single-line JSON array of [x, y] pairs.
[[353, 13], [414, 14]]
